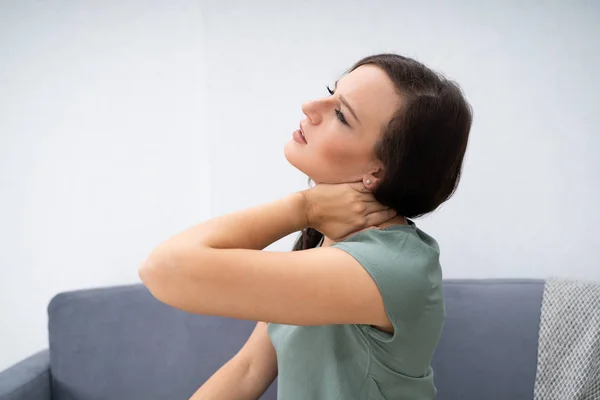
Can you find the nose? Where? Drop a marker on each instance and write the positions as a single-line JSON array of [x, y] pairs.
[[311, 110]]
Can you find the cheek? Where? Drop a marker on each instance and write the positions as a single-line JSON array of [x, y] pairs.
[[330, 156], [341, 152]]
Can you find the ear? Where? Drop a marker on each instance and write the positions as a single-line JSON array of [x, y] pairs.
[[374, 176], [370, 182]]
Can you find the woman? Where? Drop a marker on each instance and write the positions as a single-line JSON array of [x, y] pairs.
[[356, 310]]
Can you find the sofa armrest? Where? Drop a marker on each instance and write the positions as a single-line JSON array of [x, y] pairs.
[[28, 379]]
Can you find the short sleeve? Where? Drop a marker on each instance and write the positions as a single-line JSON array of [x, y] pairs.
[[401, 266]]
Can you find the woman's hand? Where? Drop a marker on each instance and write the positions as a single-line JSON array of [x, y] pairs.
[[339, 210]]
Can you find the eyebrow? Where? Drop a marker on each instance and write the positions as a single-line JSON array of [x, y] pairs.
[[343, 100]]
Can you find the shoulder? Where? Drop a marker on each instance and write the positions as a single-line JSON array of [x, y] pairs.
[[403, 262], [396, 244]]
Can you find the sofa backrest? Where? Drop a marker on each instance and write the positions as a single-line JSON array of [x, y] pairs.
[[121, 343], [488, 348]]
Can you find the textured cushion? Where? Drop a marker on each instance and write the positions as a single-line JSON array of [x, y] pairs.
[[488, 348], [121, 343]]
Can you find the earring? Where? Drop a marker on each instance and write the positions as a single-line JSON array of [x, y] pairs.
[[368, 182]]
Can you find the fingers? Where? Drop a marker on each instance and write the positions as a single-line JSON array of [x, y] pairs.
[[359, 187], [377, 213], [374, 206], [379, 217]]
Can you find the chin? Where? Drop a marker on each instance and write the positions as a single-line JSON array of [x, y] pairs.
[[297, 159], [311, 165], [291, 155]]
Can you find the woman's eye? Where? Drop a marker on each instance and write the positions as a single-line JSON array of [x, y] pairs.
[[341, 117], [338, 113]]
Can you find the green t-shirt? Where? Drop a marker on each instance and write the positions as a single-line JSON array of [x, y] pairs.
[[358, 361]]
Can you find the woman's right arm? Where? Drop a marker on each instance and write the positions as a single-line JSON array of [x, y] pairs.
[[247, 375]]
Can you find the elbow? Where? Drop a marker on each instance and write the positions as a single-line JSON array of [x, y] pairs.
[[154, 274], [146, 272], [167, 275]]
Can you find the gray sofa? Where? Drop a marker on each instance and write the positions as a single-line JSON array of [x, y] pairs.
[[119, 343]]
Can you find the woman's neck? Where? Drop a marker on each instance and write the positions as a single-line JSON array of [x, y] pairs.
[[398, 220]]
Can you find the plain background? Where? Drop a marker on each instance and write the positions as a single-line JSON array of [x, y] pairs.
[[123, 123]]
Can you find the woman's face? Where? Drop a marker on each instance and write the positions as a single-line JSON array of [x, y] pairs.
[[342, 129]]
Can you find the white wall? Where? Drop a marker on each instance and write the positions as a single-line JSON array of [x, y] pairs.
[[106, 140], [102, 148]]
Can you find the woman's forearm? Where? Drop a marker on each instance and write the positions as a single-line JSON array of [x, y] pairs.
[[253, 228], [230, 382]]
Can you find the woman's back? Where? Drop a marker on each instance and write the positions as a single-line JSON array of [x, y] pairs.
[[357, 361]]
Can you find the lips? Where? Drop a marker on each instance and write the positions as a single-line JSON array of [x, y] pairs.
[[302, 132]]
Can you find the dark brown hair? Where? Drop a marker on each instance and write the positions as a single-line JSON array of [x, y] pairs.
[[422, 147]]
